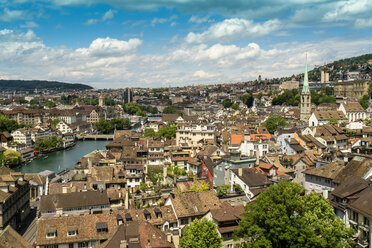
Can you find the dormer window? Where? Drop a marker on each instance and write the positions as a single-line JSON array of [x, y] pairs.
[[147, 214], [102, 227], [119, 219], [51, 231], [158, 213], [51, 234], [72, 230]]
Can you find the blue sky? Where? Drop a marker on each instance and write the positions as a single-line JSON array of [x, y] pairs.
[[117, 43]]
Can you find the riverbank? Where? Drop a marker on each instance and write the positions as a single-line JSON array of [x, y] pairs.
[[64, 159]]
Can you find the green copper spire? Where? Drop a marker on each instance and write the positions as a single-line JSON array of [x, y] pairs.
[[305, 87]]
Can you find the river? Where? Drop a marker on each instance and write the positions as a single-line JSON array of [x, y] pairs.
[[60, 160]]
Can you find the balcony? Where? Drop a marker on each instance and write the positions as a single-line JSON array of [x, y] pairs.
[[363, 243], [353, 222], [364, 227]]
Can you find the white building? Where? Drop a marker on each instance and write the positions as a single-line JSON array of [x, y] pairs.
[[353, 110], [22, 136], [319, 118], [64, 128], [192, 135]]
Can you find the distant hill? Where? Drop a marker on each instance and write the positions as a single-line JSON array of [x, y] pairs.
[[339, 67], [30, 85]]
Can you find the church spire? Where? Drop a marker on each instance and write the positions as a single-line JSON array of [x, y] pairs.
[[305, 88]]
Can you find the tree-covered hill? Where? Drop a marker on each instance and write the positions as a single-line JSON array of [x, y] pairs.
[[30, 85]]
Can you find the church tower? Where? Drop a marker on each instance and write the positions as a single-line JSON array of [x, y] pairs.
[[305, 97], [101, 101]]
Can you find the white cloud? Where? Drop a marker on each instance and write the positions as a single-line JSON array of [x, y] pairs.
[[110, 47], [199, 20], [363, 23], [91, 22], [235, 28], [29, 24], [8, 15], [112, 63], [156, 20], [108, 15]]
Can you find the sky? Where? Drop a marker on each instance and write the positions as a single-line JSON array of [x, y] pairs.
[[144, 43]]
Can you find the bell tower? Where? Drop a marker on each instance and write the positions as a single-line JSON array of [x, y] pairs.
[[305, 97]]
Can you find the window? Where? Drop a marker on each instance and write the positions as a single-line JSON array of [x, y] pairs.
[[365, 221], [72, 233], [83, 245], [355, 216], [51, 235], [184, 221]]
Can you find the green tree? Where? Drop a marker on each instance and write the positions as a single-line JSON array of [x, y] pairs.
[[120, 124], [104, 126], [274, 123], [7, 125], [167, 132], [54, 122], [227, 103], [284, 216], [201, 234], [50, 104], [223, 190], [171, 110], [149, 132], [248, 99], [364, 101], [12, 157], [235, 106], [332, 121]]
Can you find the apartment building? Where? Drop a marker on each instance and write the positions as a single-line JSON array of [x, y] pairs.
[[193, 136], [14, 198]]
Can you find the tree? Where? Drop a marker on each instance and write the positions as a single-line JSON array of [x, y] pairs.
[[149, 132], [284, 216], [227, 103], [235, 106], [248, 99], [201, 234], [103, 126], [223, 190], [274, 123], [120, 124], [364, 101], [50, 104], [12, 157], [54, 122], [171, 110], [7, 125], [167, 132], [332, 121]]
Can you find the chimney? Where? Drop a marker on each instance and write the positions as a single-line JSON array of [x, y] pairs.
[[257, 157], [123, 244], [240, 172]]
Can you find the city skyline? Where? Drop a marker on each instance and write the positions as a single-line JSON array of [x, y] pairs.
[[114, 44]]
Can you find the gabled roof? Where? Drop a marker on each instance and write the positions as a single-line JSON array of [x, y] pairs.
[[236, 139], [357, 167], [363, 203], [326, 115], [252, 178], [195, 203], [9, 238], [329, 170], [350, 187], [353, 107]]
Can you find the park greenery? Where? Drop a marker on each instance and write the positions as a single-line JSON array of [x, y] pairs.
[[202, 234], [167, 132], [105, 126], [48, 143], [284, 216], [273, 123], [227, 103]]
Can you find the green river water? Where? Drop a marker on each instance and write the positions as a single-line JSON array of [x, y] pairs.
[[58, 161]]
